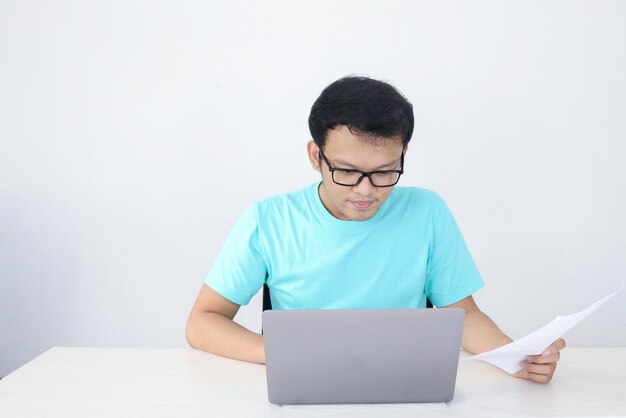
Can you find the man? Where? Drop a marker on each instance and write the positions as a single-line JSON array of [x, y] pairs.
[[352, 240]]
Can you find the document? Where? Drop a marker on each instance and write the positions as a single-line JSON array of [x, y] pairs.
[[508, 357]]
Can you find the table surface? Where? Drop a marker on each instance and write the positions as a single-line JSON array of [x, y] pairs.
[[127, 382]]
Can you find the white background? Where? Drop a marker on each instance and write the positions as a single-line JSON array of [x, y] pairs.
[[133, 134]]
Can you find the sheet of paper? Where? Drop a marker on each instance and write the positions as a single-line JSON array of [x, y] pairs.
[[508, 357]]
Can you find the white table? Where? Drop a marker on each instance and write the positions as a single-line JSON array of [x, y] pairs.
[[109, 382]]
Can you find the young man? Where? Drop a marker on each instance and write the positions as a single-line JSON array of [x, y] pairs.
[[351, 241]]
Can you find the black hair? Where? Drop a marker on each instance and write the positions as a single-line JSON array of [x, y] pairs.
[[369, 108]]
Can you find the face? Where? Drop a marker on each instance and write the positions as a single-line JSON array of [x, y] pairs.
[[346, 150]]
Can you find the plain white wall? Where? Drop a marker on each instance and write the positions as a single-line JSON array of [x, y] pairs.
[[133, 134]]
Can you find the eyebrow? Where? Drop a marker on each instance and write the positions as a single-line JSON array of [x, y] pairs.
[[341, 162]]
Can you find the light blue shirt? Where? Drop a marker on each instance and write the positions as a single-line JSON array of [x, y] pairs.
[[409, 250]]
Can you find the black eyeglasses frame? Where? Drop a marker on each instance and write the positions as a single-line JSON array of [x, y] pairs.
[[367, 174]]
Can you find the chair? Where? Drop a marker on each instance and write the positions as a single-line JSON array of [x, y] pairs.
[[267, 302]]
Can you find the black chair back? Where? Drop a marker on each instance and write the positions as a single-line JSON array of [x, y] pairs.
[[267, 302]]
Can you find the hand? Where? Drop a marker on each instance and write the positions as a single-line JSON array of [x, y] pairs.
[[541, 368]]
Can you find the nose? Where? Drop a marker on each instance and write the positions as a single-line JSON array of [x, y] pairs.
[[365, 187]]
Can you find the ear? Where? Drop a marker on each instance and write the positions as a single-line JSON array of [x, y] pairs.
[[313, 152]]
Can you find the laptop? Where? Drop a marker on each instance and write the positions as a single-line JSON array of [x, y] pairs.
[[362, 356]]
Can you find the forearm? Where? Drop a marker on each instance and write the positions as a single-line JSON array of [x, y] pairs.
[[481, 334], [215, 333]]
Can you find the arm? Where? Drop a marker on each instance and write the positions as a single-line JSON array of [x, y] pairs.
[[481, 334], [211, 328]]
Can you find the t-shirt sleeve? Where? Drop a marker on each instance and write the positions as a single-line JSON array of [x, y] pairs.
[[239, 270], [451, 274]]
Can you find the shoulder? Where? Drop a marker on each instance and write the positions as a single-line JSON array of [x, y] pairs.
[[417, 196], [417, 203], [279, 205], [271, 213]]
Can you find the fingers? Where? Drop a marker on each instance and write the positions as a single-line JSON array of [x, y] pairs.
[[551, 354], [541, 368], [555, 347], [535, 371], [546, 369], [539, 378], [552, 358]]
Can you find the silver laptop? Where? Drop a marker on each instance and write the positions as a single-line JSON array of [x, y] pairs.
[[362, 356]]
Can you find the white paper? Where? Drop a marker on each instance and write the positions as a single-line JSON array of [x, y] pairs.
[[508, 357]]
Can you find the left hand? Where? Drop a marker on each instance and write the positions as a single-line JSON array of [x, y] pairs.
[[541, 368]]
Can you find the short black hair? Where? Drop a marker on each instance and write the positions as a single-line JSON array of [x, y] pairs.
[[368, 107]]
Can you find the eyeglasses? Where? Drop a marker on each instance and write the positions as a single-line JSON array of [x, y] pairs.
[[349, 177]]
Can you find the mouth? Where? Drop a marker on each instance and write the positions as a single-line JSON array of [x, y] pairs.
[[362, 204]]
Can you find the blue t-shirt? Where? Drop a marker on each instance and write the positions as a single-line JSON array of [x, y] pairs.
[[409, 250]]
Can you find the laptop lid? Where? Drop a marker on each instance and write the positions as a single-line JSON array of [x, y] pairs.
[[362, 356]]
